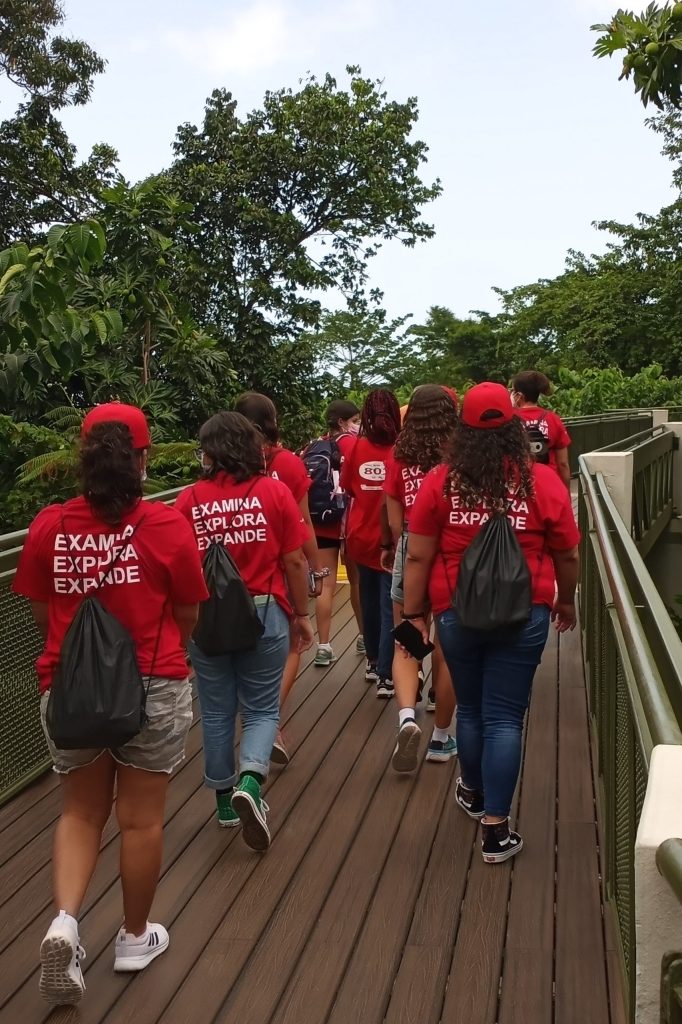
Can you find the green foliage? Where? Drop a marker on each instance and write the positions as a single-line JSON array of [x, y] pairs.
[[652, 42], [595, 391]]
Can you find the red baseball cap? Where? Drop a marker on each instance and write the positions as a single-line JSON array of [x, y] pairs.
[[487, 405], [117, 412], [451, 393]]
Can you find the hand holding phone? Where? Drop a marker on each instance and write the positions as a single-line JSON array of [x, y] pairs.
[[410, 638]]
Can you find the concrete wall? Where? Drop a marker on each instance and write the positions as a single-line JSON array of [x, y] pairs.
[[658, 914]]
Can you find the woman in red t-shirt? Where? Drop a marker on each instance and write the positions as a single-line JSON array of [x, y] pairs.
[[281, 464], [526, 388], [362, 477], [489, 468], [140, 560], [427, 427], [343, 425], [257, 520]]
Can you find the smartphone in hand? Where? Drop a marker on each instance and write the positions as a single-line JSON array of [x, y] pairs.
[[409, 637]]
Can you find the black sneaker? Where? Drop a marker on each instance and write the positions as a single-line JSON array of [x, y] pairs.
[[499, 842], [431, 700], [385, 688], [407, 747], [470, 800]]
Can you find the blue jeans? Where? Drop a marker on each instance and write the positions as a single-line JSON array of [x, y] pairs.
[[492, 674], [377, 618], [248, 681]]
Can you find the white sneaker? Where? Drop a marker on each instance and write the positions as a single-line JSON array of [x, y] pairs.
[[406, 749], [135, 952], [61, 978]]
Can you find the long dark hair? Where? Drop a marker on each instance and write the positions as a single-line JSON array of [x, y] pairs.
[[531, 384], [233, 444], [339, 409], [430, 420], [110, 471], [380, 417], [483, 465], [260, 410]]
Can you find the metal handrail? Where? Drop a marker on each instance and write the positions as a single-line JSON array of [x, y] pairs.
[[669, 863], [635, 440], [660, 719]]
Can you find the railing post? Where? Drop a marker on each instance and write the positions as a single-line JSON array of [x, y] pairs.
[[658, 917], [617, 468]]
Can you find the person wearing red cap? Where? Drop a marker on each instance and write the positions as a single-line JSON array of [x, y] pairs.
[[430, 421], [153, 590], [489, 468]]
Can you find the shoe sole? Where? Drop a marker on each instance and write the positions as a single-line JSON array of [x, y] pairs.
[[324, 664], [476, 815], [56, 983], [406, 750], [500, 858], [128, 964], [254, 828], [431, 707], [440, 757], [385, 694], [229, 824], [279, 755]]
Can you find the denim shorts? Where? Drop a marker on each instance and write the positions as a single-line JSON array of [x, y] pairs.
[[160, 744], [397, 592]]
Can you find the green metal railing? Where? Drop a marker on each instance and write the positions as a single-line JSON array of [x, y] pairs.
[[634, 669], [588, 433]]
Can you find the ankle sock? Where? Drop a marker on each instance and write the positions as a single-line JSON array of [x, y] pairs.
[[440, 735], [67, 919], [405, 715], [324, 647]]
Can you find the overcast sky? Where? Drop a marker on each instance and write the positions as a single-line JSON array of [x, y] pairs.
[[532, 137]]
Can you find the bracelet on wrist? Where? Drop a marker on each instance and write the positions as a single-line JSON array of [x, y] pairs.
[[407, 616], [321, 574]]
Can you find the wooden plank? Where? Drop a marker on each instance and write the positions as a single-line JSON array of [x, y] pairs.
[[365, 990], [616, 984], [571, 668], [576, 791], [527, 984], [581, 987], [419, 990]]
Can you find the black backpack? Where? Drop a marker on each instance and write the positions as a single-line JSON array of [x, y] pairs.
[[322, 459], [228, 620], [97, 697], [493, 585], [539, 444]]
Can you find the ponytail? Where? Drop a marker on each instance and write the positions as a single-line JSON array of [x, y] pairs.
[[109, 470]]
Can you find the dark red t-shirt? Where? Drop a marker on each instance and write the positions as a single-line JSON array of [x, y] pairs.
[[550, 426], [68, 551], [362, 477], [257, 520], [542, 524], [403, 483], [346, 442]]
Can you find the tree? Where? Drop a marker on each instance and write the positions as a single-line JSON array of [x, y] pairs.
[[360, 348], [652, 42], [293, 200], [41, 180]]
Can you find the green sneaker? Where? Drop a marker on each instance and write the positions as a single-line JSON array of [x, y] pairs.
[[227, 816], [246, 801], [324, 656]]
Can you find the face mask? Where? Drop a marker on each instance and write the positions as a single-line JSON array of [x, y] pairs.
[[353, 428]]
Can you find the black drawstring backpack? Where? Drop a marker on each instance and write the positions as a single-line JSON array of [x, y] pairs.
[[493, 584], [97, 697], [228, 620]]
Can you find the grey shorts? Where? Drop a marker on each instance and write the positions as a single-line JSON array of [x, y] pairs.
[[397, 593], [160, 744]]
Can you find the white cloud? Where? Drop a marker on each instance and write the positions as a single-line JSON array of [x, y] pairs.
[[265, 33]]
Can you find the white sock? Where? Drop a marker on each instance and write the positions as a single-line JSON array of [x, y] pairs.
[[405, 715], [326, 647], [440, 735]]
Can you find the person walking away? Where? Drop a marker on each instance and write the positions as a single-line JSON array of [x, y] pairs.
[[427, 427], [322, 457], [256, 519], [489, 474], [362, 477], [139, 561], [281, 464], [547, 433]]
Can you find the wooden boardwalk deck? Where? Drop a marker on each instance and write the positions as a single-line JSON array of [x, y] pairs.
[[372, 904]]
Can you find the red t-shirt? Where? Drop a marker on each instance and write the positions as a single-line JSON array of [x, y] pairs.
[[542, 523], [403, 483], [290, 469], [346, 443], [67, 552], [362, 477], [257, 520], [550, 425]]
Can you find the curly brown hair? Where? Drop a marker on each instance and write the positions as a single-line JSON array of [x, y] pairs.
[[483, 465], [109, 470], [430, 420], [234, 444]]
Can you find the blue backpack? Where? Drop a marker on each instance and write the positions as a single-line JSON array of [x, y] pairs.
[[322, 459]]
